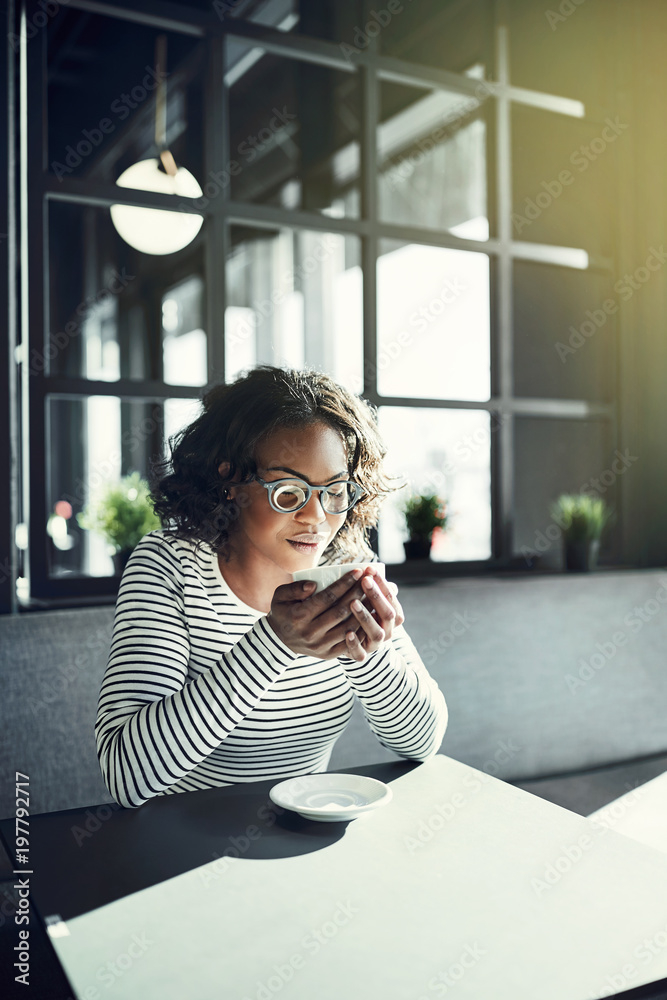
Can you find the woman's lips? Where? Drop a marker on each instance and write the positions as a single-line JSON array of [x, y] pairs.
[[304, 546]]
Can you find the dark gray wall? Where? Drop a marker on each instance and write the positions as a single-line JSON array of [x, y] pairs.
[[610, 55]]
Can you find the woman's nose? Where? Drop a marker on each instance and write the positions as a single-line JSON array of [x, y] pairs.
[[313, 512]]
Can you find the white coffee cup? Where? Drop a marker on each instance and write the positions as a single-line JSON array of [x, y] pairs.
[[324, 576]]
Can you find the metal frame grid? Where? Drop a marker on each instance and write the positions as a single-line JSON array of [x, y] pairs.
[[9, 514], [38, 187]]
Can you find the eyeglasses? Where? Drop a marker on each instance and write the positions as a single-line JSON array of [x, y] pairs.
[[288, 495]]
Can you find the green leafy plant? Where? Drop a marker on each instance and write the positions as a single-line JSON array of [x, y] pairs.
[[122, 513], [582, 518], [423, 514]]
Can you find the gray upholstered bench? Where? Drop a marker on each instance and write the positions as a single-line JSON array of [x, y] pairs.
[[52, 664], [555, 682]]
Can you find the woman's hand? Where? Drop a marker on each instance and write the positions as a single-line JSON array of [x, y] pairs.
[[315, 624], [376, 626]]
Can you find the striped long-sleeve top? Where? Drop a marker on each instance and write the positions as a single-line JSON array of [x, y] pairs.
[[199, 691]]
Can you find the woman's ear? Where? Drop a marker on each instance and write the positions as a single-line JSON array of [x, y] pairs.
[[223, 470]]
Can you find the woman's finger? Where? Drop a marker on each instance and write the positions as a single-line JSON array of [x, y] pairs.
[[382, 603], [371, 627], [354, 647], [389, 591]]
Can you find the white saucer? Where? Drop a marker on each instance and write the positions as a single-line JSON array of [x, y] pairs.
[[331, 798]]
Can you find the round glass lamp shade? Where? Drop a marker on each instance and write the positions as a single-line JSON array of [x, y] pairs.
[[153, 230]]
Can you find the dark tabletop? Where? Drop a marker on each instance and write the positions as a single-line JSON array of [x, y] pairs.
[[82, 859], [85, 858]]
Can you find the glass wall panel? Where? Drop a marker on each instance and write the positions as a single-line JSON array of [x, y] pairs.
[[294, 298], [93, 442], [178, 413], [328, 19], [564, 332], [107, 303], [184, 349], [555, 53], [560, 456], [431, 149], [102, 84], [294, 132], [433, 322], [445, 34], [564, 179], [446, 452]]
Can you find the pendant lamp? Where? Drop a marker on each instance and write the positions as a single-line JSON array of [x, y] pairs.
[[152, 230]]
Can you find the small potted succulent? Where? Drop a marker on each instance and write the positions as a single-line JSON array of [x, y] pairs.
[[122, 514], [582, 518], [423, 514]]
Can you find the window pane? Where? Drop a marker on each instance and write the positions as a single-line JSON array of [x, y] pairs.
[[106, 302], [184, 356], [178, 413], [294, 132], [433, 322], [294, 298], [92, 443], [450, 36], [328, 19], [453, 460], [564, 180], [582, 68], [432, 160], [101, 96], [564, 333], [554, 457]]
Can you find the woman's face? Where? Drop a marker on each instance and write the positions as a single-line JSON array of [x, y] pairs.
[[315, 454]]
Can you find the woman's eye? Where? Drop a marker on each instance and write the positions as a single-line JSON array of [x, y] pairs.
[[289, 495]]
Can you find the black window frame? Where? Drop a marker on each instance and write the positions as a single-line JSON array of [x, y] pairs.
[[37, 187]]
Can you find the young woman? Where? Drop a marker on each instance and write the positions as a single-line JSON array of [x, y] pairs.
[[222, 669]]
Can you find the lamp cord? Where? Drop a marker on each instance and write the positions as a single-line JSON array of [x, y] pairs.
[[166, 157]]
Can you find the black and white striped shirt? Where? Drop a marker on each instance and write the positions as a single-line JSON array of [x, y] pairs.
[[199, 690]]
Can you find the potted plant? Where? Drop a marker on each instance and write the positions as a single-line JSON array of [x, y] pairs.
[[423, 514], [122, 514], [582, 519]]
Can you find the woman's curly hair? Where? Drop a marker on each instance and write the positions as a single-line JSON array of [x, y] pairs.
[[190, 495]]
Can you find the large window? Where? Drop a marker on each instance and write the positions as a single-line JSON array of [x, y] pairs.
[[385, 205]]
